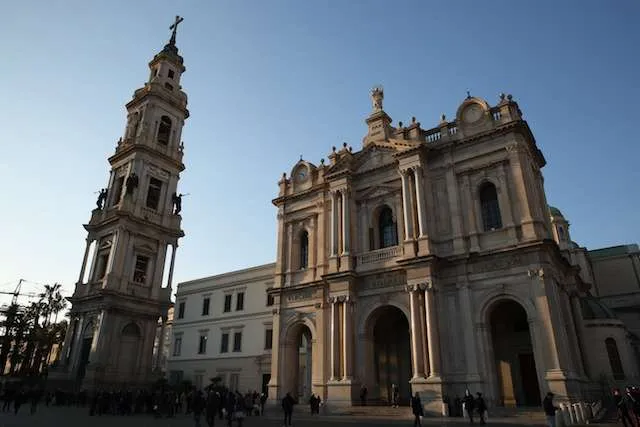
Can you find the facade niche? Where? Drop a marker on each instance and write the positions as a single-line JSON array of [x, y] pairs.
[[304, 250], [490, 208], [387, 229], [164, 130]]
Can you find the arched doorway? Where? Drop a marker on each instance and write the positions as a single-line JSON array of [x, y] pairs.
[[298, 368], [128, 352], [513, 352], [390, 336], [85, 350]]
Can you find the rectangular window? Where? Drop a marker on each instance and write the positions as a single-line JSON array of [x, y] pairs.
[[171, 74], [153, 193], [140, 270], [240, 301], [202, 344], [268, 339], [205, 306], [181, 310], [224, 343], [197, 380], [177, 346], [237, 341], [270, 300], [234, 380], [118, 185], [101, 267], [227, 303]]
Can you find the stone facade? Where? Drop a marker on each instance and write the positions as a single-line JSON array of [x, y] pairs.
[[446, 234], [119, 299], [223, 328]]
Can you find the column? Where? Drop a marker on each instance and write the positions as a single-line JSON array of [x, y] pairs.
[[416, 334], [347, 339], [334, 224], [464, 294], [174, 248], [406, 206], [76, 347], [364, 229], [422, 219], [334, 338], [576, 312], [471, 214], [84, 260], [433, 339], [290, 248], [346, 223], [161, 338], [71, 329]]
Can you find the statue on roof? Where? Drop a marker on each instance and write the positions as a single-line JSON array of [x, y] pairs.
[[377, 95]]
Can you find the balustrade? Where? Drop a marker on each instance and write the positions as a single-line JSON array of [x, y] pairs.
[[379, 255]]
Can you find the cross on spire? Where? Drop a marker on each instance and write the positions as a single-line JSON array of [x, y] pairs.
[[174, 27]]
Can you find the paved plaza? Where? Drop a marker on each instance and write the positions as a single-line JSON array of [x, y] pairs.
[[79, 417]]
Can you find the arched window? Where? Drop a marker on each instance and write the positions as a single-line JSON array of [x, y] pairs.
[[614, 359], [490, 207], [131, 330], [387, 228], [304, 250], [164, 130]]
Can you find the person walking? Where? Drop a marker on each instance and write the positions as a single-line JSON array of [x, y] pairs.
[[287, 407], [482, 408], [418, 411], [622, 408], [468, 405], [550, 410]]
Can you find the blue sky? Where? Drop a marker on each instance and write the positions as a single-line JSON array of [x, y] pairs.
[[271, 80]]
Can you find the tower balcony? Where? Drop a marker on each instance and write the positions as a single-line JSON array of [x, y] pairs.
[[378, 258]]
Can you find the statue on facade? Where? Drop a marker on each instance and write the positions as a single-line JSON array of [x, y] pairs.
[[131, 183], [377, 95], [177, 203], [102, 197]]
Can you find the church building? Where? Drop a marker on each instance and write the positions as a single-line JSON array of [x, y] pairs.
[[430, 259]]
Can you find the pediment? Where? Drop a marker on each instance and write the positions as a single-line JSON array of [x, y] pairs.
[[378, 191], [374, 157]]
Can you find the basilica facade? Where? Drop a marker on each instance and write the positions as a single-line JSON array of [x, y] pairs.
[[430, 259]]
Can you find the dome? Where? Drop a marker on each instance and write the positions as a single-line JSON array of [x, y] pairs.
[[594, 309], [555, 211]]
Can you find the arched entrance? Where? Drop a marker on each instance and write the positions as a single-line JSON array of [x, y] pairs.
[[297, 368], [128, 352], [388, 330], [517, 377], [85, 350]]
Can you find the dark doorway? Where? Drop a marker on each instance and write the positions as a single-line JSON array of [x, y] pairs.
[[531, 389], [265, 383], [85, 350], [392, 354], [514, 360]]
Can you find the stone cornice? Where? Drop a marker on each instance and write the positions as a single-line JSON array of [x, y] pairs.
[[132, 148], [278, 201], [117, 218], [148, 91]]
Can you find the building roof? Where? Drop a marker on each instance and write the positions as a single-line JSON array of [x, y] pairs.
[[611, 251], [555, 211], [245, 274], [592, 308]]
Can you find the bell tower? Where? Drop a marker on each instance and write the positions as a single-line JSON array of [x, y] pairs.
[[120, 295]]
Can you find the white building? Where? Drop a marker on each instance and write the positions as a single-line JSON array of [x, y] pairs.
[[222, 327]]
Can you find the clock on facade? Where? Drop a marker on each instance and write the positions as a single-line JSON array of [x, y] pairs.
[[301, 175], [472, 113]]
